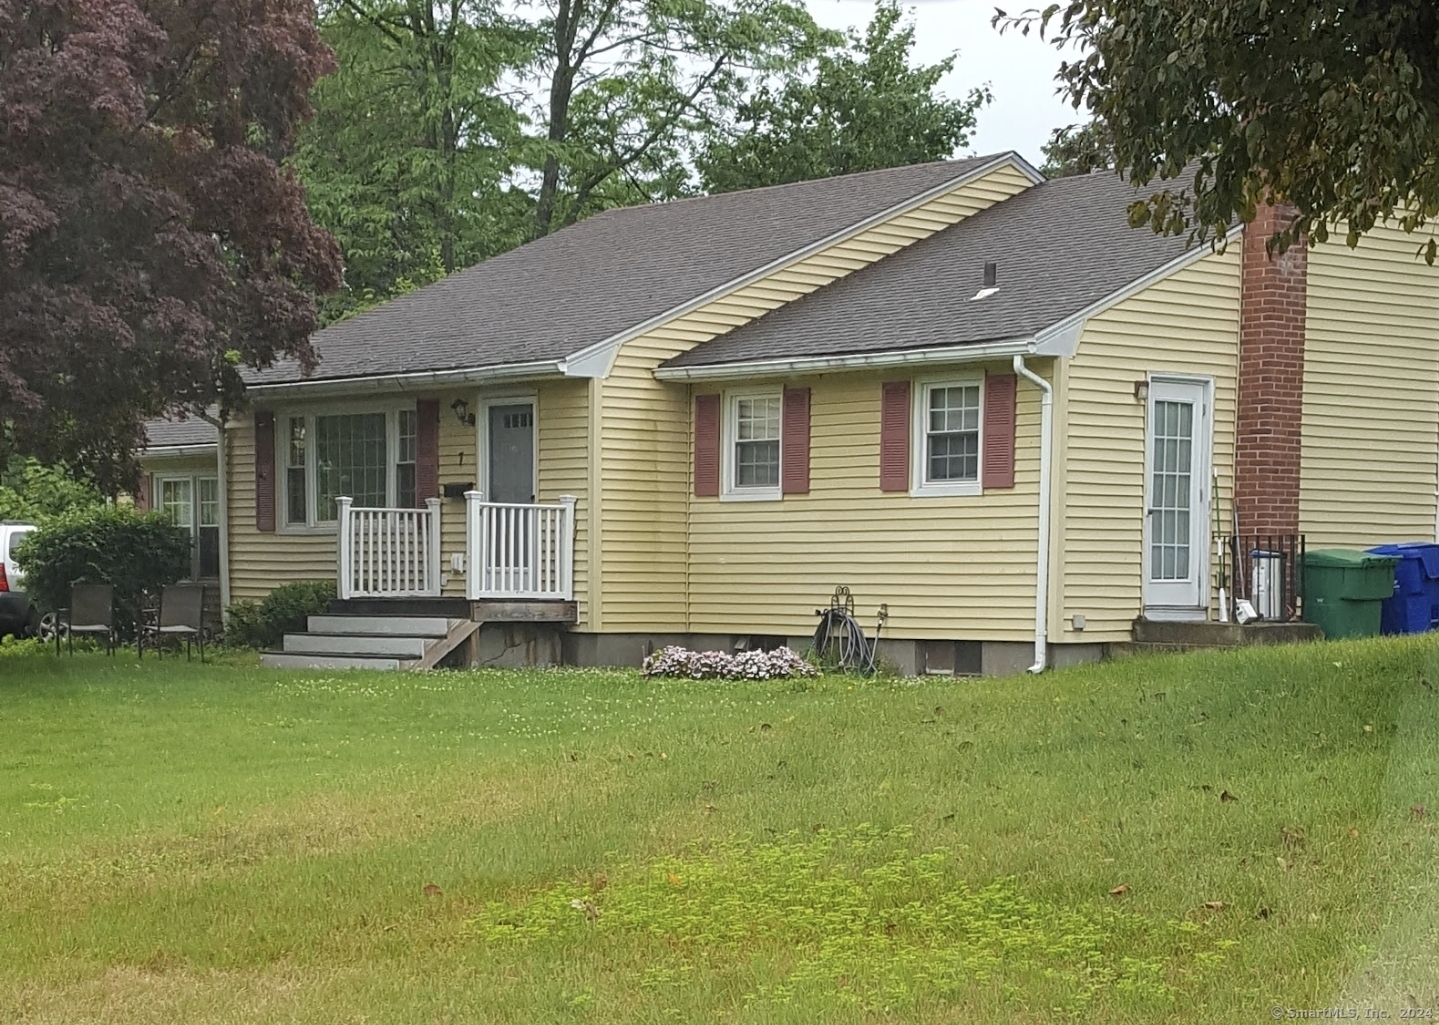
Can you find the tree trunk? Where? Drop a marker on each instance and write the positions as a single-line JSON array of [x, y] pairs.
[[562, 85]]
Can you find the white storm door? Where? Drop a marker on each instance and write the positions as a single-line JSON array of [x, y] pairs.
[[1176, 535]]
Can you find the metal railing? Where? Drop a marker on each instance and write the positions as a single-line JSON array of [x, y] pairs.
[[1267, 570], [389, 553], [520, 551]]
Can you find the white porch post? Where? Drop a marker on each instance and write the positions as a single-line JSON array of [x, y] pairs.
[[432, 567], [474, 546], [346, 548], [567, 548]]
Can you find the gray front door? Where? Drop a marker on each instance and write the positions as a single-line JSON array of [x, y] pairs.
[[511, 432]]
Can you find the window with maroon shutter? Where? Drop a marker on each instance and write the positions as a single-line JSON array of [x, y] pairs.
[[794, 443], [265, 471], [427, 450], [147, 488], [999, 402], [894, 436], [707, 446]]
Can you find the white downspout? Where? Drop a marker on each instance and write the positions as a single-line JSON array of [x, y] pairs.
[[222, 499], [1046, 458]]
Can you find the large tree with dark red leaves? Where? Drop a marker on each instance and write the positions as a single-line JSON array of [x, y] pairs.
[[151, 243]]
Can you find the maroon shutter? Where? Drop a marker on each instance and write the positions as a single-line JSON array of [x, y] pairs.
[[265, 471], [794, 443], [998, 452], [147, 488], [427, 450], [894, 436], [707, 446]]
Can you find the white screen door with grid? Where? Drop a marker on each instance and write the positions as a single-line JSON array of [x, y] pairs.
[[1176, 527]]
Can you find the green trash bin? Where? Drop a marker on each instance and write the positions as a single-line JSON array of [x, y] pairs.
[[1344, 591]]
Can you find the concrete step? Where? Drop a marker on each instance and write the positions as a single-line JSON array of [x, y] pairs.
[[1177, 636], [279, 660], [405, 626], [355, 644]]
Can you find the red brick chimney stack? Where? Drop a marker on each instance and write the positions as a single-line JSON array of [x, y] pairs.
[[1271, 377]]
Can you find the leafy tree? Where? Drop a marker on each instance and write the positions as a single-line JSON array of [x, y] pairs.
[[628, 81], [864, 108], [1078, 149], [150, 243], [1329, 105], [407, 157], [35, 493]]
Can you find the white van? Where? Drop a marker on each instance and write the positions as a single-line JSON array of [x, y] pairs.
[[18, 614]]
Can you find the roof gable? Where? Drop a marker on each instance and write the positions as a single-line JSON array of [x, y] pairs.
[[593, 281]]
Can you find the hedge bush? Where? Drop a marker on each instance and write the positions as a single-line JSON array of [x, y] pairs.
[[133, 552], [284, 610]]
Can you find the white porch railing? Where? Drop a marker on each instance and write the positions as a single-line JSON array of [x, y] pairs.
[[389, 553], [520, 551]]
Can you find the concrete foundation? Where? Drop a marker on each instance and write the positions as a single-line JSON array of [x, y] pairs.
[[906, 657], [502, 645]]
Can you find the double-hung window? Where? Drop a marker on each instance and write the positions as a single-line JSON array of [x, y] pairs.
[[368, 456], [193, 503], [752, 444], [948, 436]]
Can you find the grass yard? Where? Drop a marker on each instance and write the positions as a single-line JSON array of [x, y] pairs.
[[1195, 838]]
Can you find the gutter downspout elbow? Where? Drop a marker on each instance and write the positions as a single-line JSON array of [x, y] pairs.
[[1046, 475]]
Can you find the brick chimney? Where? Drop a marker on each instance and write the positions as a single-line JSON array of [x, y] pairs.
[[1271, 378]]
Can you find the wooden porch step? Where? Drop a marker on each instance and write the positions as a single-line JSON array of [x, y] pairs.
[[482, 611], [422, 608]]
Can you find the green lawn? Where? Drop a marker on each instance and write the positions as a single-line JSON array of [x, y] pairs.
[[222, 844]]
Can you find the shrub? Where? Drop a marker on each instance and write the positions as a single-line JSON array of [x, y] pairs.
[[284, 610], [677, 662], [134, 553]]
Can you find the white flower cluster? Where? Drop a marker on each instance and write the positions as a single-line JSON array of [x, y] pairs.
[[677, 662]]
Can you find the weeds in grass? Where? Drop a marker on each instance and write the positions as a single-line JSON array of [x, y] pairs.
[[856, 917]]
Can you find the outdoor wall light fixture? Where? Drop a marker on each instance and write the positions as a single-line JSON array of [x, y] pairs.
[[462, 412], [1141, 391]]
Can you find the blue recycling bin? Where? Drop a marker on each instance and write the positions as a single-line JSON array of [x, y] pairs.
[[1414, 606]]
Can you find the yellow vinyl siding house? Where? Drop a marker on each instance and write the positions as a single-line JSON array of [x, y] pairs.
[[976, 399]]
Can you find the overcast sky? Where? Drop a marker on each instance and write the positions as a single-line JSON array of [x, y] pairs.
[[1019, 70]]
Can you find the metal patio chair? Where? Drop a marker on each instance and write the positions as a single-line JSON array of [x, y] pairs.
[[182, 615], [91, 613]]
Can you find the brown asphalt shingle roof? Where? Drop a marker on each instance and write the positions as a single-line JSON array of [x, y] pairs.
[[1059, 246], [553, 297]]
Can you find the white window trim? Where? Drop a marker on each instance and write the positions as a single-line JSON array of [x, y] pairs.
[[729, 431], [312, 496], [919, 437]]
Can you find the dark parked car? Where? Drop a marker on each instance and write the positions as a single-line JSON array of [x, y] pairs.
[[18, 615]]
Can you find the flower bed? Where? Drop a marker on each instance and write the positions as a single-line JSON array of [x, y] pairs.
[[681, 663]]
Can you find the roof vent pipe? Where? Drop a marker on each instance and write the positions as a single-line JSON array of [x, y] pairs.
[[991, 275]]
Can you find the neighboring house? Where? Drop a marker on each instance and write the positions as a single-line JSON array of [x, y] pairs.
[[182, 479], [970, 395]]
